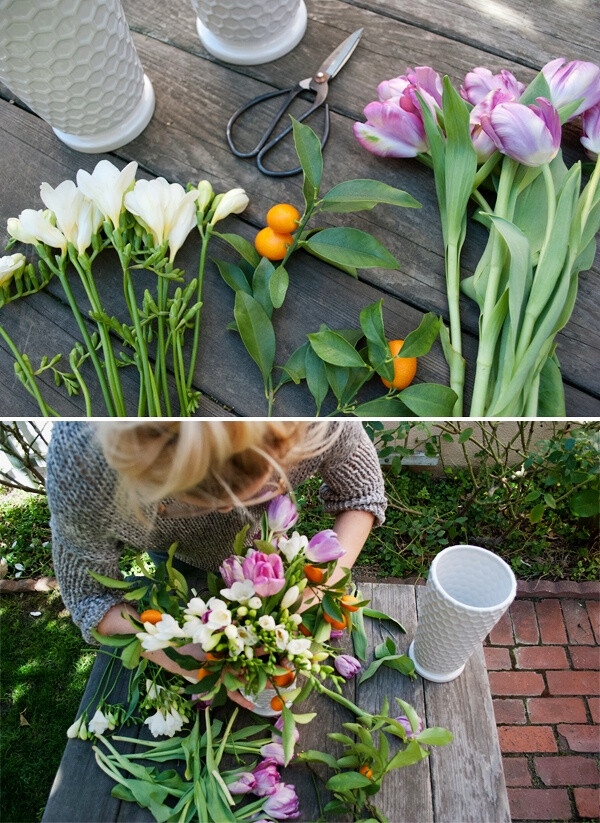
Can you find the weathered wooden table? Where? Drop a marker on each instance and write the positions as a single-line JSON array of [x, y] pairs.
[[462, 782], [185, 141]]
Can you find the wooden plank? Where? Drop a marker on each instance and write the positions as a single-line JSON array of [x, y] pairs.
[[469, 787], [406, 795]]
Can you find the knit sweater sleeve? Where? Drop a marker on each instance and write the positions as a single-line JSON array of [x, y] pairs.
[[352, 474], [80, 490]]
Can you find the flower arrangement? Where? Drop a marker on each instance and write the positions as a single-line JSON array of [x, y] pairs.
[[265, 639], [498, 143]]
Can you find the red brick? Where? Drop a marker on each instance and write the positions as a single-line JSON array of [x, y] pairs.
[[593, 609], [585, 657], [579, 682], [550, 620], [502, 634], [516, 771], [580, 738], [524, 622], [556, 710], [566, 771], [510, 712], [587, 802], [594, 704], [526, 739], [577, 622], [497, 658], [539, 804], [514, 684], [541, 657]]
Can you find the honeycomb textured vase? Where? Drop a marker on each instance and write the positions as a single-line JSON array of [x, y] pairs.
[[72, 61], [250, 31], [467, 592]]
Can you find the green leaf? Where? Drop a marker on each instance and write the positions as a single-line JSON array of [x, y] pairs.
[[316, 377], [460, 160], [337, 377], [278, 286], [239, 540], [584, 503], [537, 88], [256, 331], [359, 636], [383, 407], [420, 341], [351, 247], [371, 322], [429, 399], [411, 754], [331, 607], [381, 651], [331, 347], [346, 781], [361, 194], [314, 756], [114, 641], [308, 149], [130, 656], [465, 435], [261, 284], [401, 663], [287, 736], [373, 668], [435, 736], [242, 246], [377, 615], [536, 514], [110, 582], [295, 367], [136, 594], [409, 711], [233, 276]]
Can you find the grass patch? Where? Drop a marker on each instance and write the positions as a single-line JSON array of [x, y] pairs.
[[25, 532]]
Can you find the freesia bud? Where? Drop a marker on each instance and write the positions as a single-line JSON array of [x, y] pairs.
[[11, 265], [590, 122], [290, 597], [529, 134], [232, 202], [205, 195], [571, 81], [75, 728]]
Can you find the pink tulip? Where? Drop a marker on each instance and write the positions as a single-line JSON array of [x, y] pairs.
[[528, 134], [231, 570], [483, 143], [267, 777], [243, 783], [324, 547], [405, 723], [422, 79], [265, 571], [480, 82], [571, 81], [283, 803], [391, 131], [347, 666], [279, 726], [274, 751], [590, 122], [282, 514]]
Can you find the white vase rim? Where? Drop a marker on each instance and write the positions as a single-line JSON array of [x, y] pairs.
[[504, 604]]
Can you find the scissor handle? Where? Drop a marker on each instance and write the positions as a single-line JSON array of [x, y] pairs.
[[290, 95], [272, 143]]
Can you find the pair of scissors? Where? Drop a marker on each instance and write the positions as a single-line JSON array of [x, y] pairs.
[[318, 84]]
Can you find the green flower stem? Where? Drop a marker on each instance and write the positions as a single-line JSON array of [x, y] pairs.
[[29, 380], [488, 337], [485, 170], [84, 270], [270, 395], [61, 273], [82, 385], [591, 192], [200, 280], [160, 367], [320, 687], [532, 399], [180, 378], [457, 364]]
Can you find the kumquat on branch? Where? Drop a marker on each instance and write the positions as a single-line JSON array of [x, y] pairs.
[[266, 639]]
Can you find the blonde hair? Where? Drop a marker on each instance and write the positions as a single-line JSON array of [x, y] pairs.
[[207, 462]]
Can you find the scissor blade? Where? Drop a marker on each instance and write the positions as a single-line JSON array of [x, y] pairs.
[[338, 58]]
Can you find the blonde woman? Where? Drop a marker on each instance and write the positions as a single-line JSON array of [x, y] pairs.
[[149, 484]]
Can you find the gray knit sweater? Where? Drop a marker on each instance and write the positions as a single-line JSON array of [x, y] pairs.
[[92, 518]]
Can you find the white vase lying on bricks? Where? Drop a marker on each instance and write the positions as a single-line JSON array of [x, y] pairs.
[[248, 32], [74, 63], [467, 592]]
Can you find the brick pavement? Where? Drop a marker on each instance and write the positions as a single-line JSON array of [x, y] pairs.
[[543, 661]]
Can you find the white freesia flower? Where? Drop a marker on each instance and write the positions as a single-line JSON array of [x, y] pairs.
[[249, 652], [248, 635], [106, 186], [290, 547], [197, 631], [165, 210], [236, 646], [35, 227], [282, 637], [232, 202], [299, 645], [11, 265], [254, 603], [196, 606], [75, 728], [205, 195], [159, 635], [241, 591], [290, 597], [267, 623], [77, 217], [153, 690], [98, 724], [165, 723], [296, 619], [231, 632]]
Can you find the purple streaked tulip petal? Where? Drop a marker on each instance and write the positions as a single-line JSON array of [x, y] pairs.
[[347, 666], [274, 751], [480, 82], [231, 570], [405, 723], [390, 89], [571, 81], [528, 134], [428, 82], [267, 777], [244, 782], [483, 143], [391, 131], [282, 514], [265, 571], [590, 122], [283, 803], [324, 547]]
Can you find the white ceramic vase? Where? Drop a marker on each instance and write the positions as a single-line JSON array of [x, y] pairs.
[[74, 63], [248, 32], [261, 702], [467, 592]]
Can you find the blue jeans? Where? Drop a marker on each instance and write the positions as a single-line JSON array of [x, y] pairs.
[[186, 569]]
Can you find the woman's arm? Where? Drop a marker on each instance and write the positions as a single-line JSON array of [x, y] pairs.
[[352, 529]]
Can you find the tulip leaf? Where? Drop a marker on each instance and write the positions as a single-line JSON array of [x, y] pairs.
[[346, 781], [429, 399], [110, 582], [361, 194], [115, 641], [537, 88], [350, 247], [420, 341], [371, 322], [551, 395], [256, 331], [233, 276], [383, 407], [460, 161], [331, 347], [316, 377], [242, 246], [308, 149], [278, 286]]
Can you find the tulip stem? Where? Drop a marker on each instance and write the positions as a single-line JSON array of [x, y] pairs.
[[339, 698], [456, 362]]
